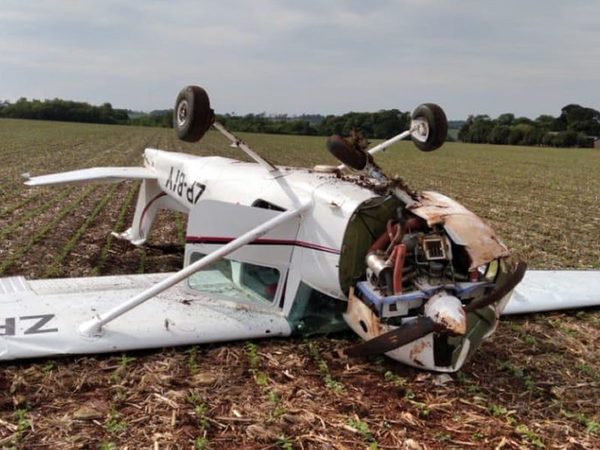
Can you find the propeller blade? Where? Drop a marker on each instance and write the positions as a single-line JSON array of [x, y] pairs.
[[398, 337], [422, 326], [508, 285]]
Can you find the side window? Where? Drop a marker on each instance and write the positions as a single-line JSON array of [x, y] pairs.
[[314, 312], [236, 280], [261, 280]]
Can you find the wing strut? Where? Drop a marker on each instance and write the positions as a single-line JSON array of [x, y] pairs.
[[235, 142], [93, 328]]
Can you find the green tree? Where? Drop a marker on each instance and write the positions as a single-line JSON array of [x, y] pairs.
[[505, 119], [544, 121], [515, 136], [481, 128], [499, 134]]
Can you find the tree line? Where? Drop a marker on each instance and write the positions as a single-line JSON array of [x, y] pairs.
[[576, 126], [379, 125], [71, 111], [63, 110]]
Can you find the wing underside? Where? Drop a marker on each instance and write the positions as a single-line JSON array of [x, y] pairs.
[[549, 290]]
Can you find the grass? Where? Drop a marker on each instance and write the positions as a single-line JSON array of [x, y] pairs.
[[393, 378], [23, 423], [259, 376], [43, 230], [115, 424], [193, 360], [8, 210], [535, 382], [200, 410], [54, 269], [362, 428], [120, 222], [49, 203], [329, 381], [276, 407], [180, 226]]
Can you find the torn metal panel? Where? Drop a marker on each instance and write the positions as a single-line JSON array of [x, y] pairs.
[[418, 353], [464, 227]]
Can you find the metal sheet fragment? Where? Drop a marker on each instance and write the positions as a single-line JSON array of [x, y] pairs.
[[464, 227]]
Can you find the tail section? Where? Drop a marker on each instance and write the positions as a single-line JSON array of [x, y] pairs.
[[151, 197]]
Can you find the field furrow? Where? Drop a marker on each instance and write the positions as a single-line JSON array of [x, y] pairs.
[[55, 268], [120, 224], [21, 253], [15, 223]]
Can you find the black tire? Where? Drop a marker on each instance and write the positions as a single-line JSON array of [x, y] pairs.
[[437, 127], [192, 116], [347, 154]]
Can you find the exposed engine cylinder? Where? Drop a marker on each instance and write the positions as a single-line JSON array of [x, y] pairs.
[[378, 263]]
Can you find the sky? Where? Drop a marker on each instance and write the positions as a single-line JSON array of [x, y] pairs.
[[330, 57]]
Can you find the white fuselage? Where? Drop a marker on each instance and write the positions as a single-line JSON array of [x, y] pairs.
[[315, 247]]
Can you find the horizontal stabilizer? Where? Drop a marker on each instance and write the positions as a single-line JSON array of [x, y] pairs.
[[549, 290], [95, 174]]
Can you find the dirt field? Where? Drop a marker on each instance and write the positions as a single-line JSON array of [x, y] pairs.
[[535, 384]]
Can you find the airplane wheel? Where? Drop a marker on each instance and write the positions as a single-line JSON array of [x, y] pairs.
[[347, 154], [192, 116], [432, 127]]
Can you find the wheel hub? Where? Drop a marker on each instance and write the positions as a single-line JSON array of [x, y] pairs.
[[182, 113], [421, 130]]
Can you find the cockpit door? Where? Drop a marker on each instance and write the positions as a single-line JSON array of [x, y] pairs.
[[257, 270]]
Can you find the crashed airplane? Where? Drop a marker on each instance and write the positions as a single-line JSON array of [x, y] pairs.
[[278, 251]]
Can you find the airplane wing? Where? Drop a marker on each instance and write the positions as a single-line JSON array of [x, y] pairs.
[[95, 174], [40, 318], [549, 290], [65, 316]]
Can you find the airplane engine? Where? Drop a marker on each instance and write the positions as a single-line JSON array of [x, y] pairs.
[[426, 281]]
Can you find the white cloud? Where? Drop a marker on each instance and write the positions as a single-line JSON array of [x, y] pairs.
[[320, 56]]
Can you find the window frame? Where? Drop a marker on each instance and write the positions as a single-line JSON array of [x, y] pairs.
[[247, 295]]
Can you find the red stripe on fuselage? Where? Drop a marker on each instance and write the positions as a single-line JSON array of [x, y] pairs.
[[260, 241], [146, 208]]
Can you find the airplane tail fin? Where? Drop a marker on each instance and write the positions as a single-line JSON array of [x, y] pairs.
[[151, 198]]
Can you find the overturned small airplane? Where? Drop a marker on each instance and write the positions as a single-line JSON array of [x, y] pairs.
[[276, 251]]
